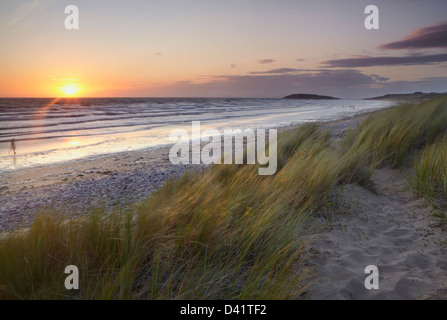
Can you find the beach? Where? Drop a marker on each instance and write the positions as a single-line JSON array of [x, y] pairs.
[[223, 154], [389, 227], [122, 178], [112, 181], [49, 131]]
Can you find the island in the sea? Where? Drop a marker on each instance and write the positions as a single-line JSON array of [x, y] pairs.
[[305, 96]]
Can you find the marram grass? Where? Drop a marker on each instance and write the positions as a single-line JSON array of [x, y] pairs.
[[227, 233], [429, 176]]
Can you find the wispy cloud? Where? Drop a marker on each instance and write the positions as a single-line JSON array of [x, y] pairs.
[[386, 61], [434, 36], [266, 61], [29, 9], [278, 71]]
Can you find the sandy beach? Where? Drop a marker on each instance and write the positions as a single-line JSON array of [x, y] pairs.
[[390, 227], [111, 181]]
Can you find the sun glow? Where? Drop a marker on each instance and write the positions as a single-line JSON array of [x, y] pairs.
[[74, 143], [70, 89]]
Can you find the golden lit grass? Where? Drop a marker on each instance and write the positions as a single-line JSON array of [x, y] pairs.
[[227, 233], [393, 134], [429, 176]]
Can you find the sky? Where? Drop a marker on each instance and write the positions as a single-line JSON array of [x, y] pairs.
[[222, 48]]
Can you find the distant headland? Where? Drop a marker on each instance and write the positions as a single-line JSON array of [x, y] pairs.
[[407, 96], [304, 96]]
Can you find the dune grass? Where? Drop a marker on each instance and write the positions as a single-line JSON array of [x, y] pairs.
[[390, 136], [413, 136], [429, 177], [227, 233]]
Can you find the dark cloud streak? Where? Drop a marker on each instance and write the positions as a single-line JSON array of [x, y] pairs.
[[277, 71], [434, 36], [386, 61], [266, 61], [341, 83]]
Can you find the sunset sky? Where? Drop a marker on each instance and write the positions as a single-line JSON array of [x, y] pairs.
[[222, 48]]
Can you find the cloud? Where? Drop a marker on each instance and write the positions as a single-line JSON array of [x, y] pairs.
[[358, 56], [233, 65], [386, 61], [266, 61], [29, 9], [428, 84], [434, 36], [340, 83], [277, 71]]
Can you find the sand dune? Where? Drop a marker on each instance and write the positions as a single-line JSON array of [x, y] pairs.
[[393, 230]]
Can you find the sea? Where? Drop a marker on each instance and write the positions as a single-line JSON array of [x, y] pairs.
[[46, 130]]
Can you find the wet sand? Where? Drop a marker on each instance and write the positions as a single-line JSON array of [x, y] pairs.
[[110, 181]]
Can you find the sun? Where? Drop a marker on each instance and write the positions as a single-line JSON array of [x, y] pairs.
[[70, 89]]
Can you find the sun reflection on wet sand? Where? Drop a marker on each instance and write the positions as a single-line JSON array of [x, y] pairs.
[[74, 143]]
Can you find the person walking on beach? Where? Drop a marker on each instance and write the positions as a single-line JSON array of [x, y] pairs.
[[13, 145]]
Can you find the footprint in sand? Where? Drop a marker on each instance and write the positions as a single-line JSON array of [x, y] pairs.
[[392, 230]]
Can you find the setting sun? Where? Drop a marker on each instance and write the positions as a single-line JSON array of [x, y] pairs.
[[70, 89]]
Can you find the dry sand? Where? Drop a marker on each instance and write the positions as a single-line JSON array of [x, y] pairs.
[[83, 169], [78, 187], [393, 230]]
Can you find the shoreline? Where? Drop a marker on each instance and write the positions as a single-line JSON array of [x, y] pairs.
[[149, 156], [115, 180]]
